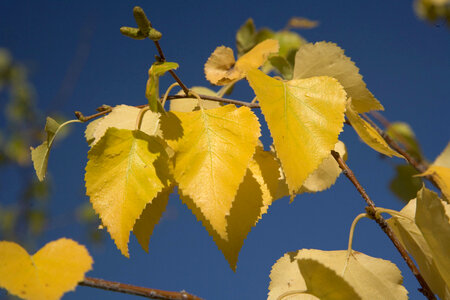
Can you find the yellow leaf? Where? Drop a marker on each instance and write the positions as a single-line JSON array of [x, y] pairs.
[[52, 271], [302, 23], [443, 160], [371, 278], [90, 130], [367, 133], [39, 155], [440, 171], [433, 220], [191, 104], [221, 69], [123, 117], [212, 156], [125, 172], [143, 228], [328, 59], [327, 173], [412, 239], [305, 118]]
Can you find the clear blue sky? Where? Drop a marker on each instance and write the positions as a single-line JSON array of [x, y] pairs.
[[405, 63]]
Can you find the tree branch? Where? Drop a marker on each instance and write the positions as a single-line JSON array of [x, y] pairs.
[[136, 290], [371, 211]]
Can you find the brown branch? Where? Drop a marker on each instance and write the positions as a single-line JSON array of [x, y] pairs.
[[136, 290], [371, 211]]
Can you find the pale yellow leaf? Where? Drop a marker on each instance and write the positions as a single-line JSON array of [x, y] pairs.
[[48, 274], [412, 239], [367, 133], [191, 104], [143, 228], [443, 160], [305, 118], [125, 172], [123, 117], [221, 69], [371, 278], [328, 59], [433, 220], [212, 156], [326, 174], [90, 130]]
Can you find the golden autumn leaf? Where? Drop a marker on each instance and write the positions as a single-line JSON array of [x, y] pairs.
[[212, 156], [302, 23], [125, 172], [328, 59], [411, 237], [371, 278], [367, 133], [305, 118], [221, 68], [191, 104], [52, 271]]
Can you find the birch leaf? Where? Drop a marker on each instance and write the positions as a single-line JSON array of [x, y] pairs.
[[412, 239], [125, 172], [212, 156], [221, 69], [305, 118], [440, 171], [245, 37], [52, 271], [328, 59], [433, 220], [367, 133], [152, 90], [40, 154], [191, 104]]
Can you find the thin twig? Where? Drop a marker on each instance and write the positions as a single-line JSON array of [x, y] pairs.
[[371, 211], [136, 290]]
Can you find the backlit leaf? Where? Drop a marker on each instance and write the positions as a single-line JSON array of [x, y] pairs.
[[52, 271], [328, 59], [367, 133], [402, 133], [245, 37], [40, 154], [221, 69], [433, 220], [405, 184], [412, 239], [191, 104], [125, 172], [289, 40], [305, 118], [212, 156], [371, 278], [152, 90]]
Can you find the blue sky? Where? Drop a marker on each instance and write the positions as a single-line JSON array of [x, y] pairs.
[[405, 63]]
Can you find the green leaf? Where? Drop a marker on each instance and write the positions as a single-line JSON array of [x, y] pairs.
[[282, 66], [152, 91], [245, 37], [40, 154], [402, 133], [289, 41], [405, 185]]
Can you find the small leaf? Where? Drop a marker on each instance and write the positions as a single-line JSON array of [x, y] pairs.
[[328, 59], [191, 104], [245, 37], [302, 23], [221, 69], [40, 154], [305, 118], [433, 220], [126, 170], [405, 185], [367, 133], [282, 66], [52, 271], [152, 90], [212, 156], [402, 133], [288, 41]]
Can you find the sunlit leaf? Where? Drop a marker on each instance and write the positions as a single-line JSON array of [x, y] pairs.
[[433, 220], [48, 274], [212, 156], [440, 171], [125, 172], [152, 90], [367, 133], [191, 104], [412, 239], [371, 278], [40, 154], [305, 118], [328, 59], [221, 68]]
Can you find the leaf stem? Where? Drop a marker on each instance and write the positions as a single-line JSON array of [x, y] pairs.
[[136, 290], [352, 231], [371, 212]]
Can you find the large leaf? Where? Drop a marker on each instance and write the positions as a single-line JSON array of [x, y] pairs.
[[371, 278], [212, 156], [52, 271], [328, 59], [305, 118], [152, 90], [433, 220], [440, 171], [125, 172], [40, 154]]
